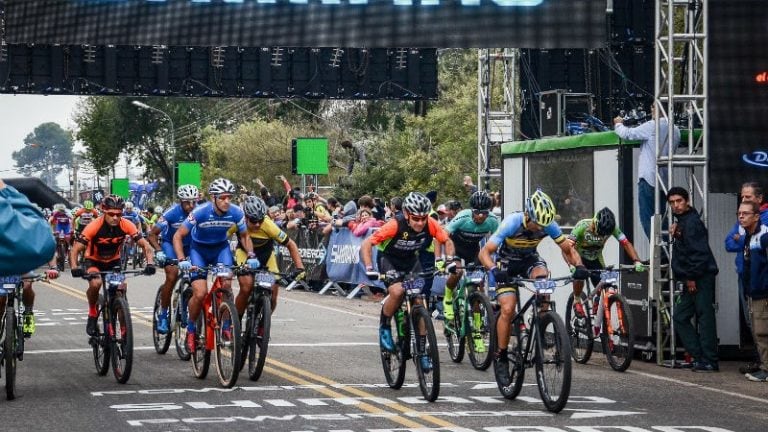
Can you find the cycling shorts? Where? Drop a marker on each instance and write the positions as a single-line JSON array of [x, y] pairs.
[[93, 266], [385, 265], [170, 253], [522, 267], [202, 255], [266, 257], [593, 265]]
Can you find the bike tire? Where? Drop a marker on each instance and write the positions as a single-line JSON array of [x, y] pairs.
[[162, 341], [394, 362], [101, 343], [259, 338], [122, 340], [9, 353], [514, 374], [486, 331], [429, 379], [180, 303], [228, 343], [453, 331], [61, 256], [619, 346], [553, 361], [579, 330], [201, 358]]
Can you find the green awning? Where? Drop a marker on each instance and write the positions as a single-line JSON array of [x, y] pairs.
[[594, 139]]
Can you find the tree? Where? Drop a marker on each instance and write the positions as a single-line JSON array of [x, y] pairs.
[[48, 149]]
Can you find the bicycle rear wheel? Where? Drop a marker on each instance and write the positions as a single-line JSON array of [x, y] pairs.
[[617, 336], [258, 337], [201, 358], [61, 255], [228, 343], [394, 362], [9, 353], [426, 356], [482, 329], [101, 342], [579, 330], [179, 306], [553, 361], [453, 329], [122, 340], [161, 341]]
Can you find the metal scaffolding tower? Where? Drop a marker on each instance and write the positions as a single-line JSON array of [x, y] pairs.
[[495, 115], [680, 86]]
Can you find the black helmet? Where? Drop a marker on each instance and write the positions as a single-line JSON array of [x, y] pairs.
[[113, 202], [255, 207], [480, 200], [605, 221]]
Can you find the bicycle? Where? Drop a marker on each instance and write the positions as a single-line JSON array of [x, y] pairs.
[[472, 321], [411, 318], [177, 317], [613, 323], [11, 328], [62, 249], [218, 330], [113, 341], [545, 346]]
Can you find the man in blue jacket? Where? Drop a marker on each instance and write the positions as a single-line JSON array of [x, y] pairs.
[[26, 241], [755, 276], [734, 242]]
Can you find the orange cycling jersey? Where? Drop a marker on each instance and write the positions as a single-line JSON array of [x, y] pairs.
[[397, 239], [104, 241]]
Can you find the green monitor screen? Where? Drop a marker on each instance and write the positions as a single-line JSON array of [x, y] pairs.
[[120, 187], [309, 156], [189, 173]]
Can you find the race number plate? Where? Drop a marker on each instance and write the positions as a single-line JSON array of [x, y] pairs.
[[609, 276], [544, 286], [265, 279], [413, 286]]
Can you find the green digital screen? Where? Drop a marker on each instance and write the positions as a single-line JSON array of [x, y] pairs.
[[120, 187], [189, 173], [309, 156]]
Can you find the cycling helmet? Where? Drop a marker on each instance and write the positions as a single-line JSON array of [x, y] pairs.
[[129, 205], [221, 186], [540, 208], [58, 207], [88, 204], [605, 221], [187, 192], [480, 200], [255, 207], [159, 210], [417, 204], [112, 202]]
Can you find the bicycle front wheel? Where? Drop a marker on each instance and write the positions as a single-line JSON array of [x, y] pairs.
[[482, 331], [179, 306], [201, 358], [509, 379], [579, 330], [393, 362], [553, 361], [122, 340], [9, 353], [101, 342], [161, 341], [228, 343], [453, 330], [258, 337], [617, 337], [426, 356]]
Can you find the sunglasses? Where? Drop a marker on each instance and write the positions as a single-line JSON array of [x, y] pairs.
[[255, 221], [114, 213], [223, 197], [480, 212], [419, 218]]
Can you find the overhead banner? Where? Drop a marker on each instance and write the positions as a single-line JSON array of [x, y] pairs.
[[310, 23], [737, 93]]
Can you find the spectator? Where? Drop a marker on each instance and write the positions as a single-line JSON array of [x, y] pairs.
[[755, 262], [268, 198], [296, 218], [395, 207], [453, 207], [25, 236], [751, 192], [316, 204], [356, 154], [496, 204], [363, 223], [442, 214], [379, 211], [469, 186], [646, 169], [694, 265]]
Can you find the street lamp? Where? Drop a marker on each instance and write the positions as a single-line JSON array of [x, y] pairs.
[[173, 143]]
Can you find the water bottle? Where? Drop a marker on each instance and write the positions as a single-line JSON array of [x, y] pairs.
[[399, 321]]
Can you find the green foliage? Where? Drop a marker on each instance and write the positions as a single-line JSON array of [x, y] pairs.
[[48, 150]]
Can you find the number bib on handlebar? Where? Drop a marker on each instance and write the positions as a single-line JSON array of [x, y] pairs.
[[476, 277], [609, 277], [544, 286], [8, 284], [413, 286], [221, 271], [264, 279]]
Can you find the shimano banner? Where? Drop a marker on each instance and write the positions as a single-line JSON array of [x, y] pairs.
[[310, 23], [343, 262]]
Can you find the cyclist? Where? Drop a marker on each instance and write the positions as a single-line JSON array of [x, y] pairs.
[[131, 215], [589, 237], [164, 229], [61, 222], [101, 241], [399, 242], [263, 233], [515, 241], [155, 216], [207, 225], [467, 230], [84, 215]]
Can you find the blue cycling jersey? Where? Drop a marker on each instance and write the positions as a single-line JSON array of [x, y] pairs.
[[132, 216], [170, 221], [516, 241], [208, 227]]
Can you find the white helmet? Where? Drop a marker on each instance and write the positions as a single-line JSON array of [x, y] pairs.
[[221, 186], [417, 204], [58, 207], [159, 210], [128, 205], [187, 192]]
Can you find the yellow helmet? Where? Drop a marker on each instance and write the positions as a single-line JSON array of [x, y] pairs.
[[540, 208]]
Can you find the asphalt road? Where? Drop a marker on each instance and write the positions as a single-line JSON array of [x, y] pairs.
[[324, 374]]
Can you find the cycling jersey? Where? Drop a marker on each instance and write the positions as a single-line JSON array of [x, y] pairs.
[[589, 243], [84, 217], [61, 222], [104, 241], [398, 242], [133, 217], [210, 228], [170, 222], [466, 234], [263, 240], [517, 242]]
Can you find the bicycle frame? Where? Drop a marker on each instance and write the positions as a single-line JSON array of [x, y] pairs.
[[211, 301], [472, 280], [541, 289]]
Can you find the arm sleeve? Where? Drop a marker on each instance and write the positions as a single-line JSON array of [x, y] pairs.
[[25, 237], [732, 245], [639, 133], [387, 231]]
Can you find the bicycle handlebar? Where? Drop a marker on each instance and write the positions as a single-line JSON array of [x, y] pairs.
[[92, 275]]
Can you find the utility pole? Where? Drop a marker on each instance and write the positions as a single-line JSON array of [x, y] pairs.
[[75, 166]]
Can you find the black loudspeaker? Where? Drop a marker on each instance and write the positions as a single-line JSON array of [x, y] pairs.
[[556, 105], [294, 158]]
